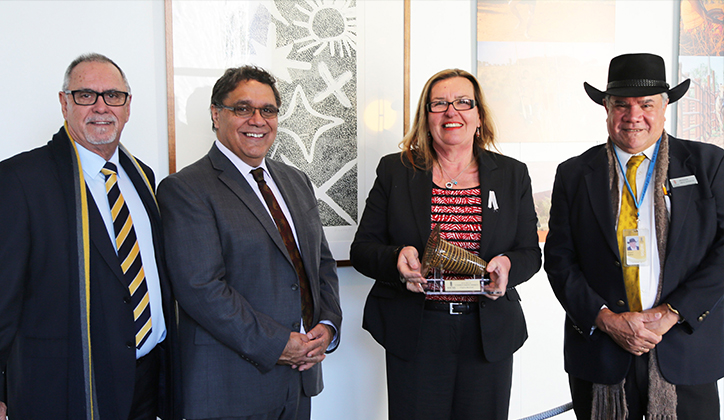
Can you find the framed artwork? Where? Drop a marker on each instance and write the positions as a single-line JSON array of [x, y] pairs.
[[701, 59], [310, 46], [532, 59]]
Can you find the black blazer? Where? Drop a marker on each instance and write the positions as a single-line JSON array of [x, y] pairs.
[[584, 268], [40, 343], [398, 213]]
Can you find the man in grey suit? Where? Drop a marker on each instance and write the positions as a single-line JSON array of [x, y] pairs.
[[258, 291]]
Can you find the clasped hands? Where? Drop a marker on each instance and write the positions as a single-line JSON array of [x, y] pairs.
[[305, 350], [409, 266], [637, 332]]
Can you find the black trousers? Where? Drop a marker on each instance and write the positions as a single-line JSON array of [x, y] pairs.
[[145, 392], [449, 377], [694, 402]]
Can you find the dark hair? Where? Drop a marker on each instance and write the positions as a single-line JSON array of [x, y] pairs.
[[418, 142], [235, 75], [96, 58]]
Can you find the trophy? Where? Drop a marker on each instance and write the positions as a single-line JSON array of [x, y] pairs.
[[441, 255]]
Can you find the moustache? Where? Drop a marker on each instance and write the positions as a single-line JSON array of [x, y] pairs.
[[95, 119]]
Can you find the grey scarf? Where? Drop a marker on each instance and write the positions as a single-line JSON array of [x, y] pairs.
[[609, 401]]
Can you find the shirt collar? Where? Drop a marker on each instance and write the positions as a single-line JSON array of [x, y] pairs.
[[92, 163], [625, 156], [242, 166]]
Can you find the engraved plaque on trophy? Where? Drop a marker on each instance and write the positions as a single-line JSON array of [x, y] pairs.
[[441, 256]]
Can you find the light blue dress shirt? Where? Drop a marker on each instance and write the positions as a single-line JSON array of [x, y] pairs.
[[92, 164]]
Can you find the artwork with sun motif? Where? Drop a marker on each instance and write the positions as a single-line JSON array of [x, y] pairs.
[[310, 47]]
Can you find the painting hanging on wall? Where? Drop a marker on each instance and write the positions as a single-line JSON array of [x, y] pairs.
[[532, 59], [701, 59], [310, 46]]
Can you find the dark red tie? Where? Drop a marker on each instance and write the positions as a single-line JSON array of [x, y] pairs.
[[286, 231]]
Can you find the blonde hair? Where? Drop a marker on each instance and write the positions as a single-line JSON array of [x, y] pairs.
[[418, 141]]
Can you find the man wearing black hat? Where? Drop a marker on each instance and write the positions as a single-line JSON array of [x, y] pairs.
[[644, 332]]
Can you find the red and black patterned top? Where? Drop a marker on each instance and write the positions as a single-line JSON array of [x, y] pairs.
[[460, 215]]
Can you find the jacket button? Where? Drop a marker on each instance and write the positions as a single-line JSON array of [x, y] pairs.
[[296, 326], [130, 345], [621, 303], [617, 264], [701, 318], [295, 287], [127, 300]]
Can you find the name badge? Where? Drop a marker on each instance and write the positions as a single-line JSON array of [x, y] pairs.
[[683, 181], [635, 247]]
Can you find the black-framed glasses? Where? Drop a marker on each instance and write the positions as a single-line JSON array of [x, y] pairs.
[[459, 105], [87, 97], [267, 112]]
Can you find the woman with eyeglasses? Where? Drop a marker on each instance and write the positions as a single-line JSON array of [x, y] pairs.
[[448, 356]]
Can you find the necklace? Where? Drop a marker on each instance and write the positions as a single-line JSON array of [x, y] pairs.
[[453, 180]]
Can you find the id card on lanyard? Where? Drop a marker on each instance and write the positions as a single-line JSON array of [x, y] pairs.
[[635, 240]]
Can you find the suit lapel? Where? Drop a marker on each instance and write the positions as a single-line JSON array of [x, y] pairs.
[[420, 199], [235, 181], [101, 241], [488, 173], [680, 198], [149, 202], [291, 199], [598, 192]]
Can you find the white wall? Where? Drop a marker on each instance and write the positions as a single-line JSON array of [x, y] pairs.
[[40, 38]]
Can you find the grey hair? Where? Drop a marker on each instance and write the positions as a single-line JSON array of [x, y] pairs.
[[94, 58], [664, 98]]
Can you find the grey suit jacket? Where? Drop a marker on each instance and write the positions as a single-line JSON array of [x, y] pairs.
[[236, 285]]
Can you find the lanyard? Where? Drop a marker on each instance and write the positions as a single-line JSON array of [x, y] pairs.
[[637, 202]]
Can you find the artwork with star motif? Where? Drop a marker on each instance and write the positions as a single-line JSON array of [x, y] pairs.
[[310, 47]]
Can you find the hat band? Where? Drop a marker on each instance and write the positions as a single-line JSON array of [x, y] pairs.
[[637, 83]]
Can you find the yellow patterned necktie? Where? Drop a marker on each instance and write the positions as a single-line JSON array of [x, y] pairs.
[[628, 219], [129, 254]]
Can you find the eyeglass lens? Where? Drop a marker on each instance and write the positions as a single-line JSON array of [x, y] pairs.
[[244, 111], [458, 104], [90, 97]]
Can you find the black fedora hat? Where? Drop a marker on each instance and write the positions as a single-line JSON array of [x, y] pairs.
[[634, 75]]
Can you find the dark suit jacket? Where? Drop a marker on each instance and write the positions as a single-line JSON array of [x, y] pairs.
[[39, 304], [398, 212], [236, 285], [584, 267]]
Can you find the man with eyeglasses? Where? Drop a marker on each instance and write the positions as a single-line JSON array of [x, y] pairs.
[[87, 319], [253, 274]]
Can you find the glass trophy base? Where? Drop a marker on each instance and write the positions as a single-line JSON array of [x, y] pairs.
[[473, 285]]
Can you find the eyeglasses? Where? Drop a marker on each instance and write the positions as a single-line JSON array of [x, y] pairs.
[[245, 111], [459, 105], [87, 97]]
